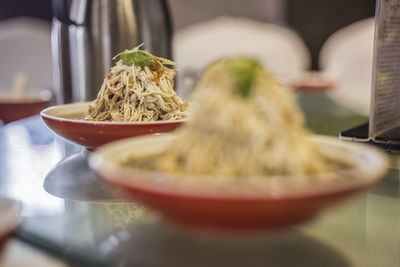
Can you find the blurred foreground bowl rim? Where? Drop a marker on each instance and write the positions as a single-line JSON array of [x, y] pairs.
[[111, 171]]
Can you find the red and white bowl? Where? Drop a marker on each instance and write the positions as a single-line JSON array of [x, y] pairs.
[[271, 204], [14, 107], [68, 122]]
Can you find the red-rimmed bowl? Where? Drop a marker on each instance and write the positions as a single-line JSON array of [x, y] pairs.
[[249, 204], [10, 214], [313, 82], [68, 122], [14, 107]]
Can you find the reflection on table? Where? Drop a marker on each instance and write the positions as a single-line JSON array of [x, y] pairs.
[[72, 179]]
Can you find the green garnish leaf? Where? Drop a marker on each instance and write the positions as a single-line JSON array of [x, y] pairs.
[[244, 71], [138, 58], [142, 58]]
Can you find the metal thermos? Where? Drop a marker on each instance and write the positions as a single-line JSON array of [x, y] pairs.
[[87, 34]]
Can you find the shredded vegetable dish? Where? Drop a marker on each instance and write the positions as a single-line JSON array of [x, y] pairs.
[[139, 88], [246, 124]]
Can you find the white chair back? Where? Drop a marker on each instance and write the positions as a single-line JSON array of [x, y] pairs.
[[25, 47], [280, 49], [347, 57]]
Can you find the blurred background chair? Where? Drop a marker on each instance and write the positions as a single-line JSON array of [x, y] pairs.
[[313, 21], [25, 68], [278, 48], [347, 58], [25, 47]]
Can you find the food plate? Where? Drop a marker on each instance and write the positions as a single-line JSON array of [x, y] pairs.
[[313, 82], [13, 107], [10, 211], [266, 206], [67, 121]]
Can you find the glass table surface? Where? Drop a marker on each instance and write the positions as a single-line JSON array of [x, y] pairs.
[[69, 212]]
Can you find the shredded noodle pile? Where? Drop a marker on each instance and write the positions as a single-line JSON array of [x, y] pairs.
[[139, 88], [246, 124]]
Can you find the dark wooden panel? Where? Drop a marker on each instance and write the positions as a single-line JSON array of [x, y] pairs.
[[25, 8], [316, 20]]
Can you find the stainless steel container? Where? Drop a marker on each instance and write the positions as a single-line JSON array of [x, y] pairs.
[[86, 34]]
